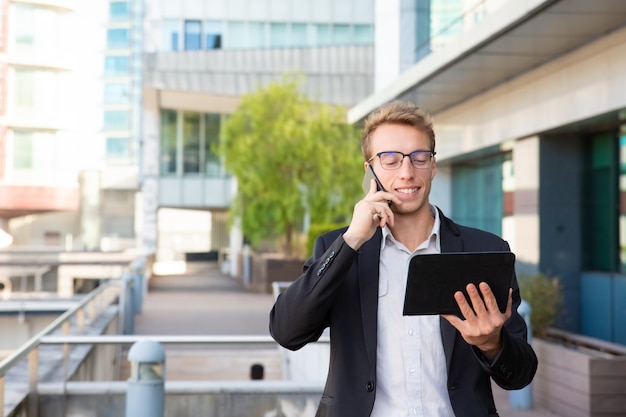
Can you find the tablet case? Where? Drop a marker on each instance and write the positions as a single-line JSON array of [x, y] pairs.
[[434, 278]]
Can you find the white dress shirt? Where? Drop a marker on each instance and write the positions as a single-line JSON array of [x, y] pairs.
[[411, 365]]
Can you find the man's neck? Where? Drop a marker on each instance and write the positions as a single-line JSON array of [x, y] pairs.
[[412, 229]]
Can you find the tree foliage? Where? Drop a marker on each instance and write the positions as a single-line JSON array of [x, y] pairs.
[[291, 157]]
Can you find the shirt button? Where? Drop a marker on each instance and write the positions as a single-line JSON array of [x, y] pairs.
[[412, 371], [410, 332]]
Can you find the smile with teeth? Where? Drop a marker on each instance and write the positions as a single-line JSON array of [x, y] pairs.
[[406, 190]]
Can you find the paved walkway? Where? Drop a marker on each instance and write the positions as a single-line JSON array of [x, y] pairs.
[[205, 302]]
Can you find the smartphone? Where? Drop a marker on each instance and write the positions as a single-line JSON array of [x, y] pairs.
[[369, 175]]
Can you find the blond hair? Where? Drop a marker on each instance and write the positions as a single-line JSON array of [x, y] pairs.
[[400, 113]]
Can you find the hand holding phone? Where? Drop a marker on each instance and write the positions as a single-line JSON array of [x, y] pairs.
[[367, 179]]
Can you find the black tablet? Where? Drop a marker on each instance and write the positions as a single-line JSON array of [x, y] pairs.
[[434, 278]]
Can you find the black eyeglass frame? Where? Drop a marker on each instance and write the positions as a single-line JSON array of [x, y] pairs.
[[419, 151]]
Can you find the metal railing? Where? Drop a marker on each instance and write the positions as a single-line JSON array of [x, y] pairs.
[[92, 304]]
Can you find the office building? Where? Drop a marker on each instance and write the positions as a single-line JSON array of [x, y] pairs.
[[530, 114]]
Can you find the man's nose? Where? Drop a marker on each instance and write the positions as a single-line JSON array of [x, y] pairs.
[[406, 168]]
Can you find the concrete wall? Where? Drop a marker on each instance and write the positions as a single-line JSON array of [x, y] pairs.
[[576, 86], [209, 399]]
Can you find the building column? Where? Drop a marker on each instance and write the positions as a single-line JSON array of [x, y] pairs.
[[524, 235]]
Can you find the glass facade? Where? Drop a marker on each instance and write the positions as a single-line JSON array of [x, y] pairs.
[[31, 37], [199, 138], [116, 65], [231, 34], [622, 199], [122, 82], [191, 143], [117, 39], [168, 145], [117, 147], [193, 35], [116, 120], [119, 11], [116, 92], [22, 149], [477, 193], [601, 206], [213, 34]]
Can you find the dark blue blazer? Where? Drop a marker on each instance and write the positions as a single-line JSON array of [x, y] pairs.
[[339, 289]]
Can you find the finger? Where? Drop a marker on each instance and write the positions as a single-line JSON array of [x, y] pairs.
[[488, 297], [453, 320], [466, 309], [477, 303], [509, 305], [373, 187]]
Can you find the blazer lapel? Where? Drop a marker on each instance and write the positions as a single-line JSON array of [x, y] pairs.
[[368, 285]]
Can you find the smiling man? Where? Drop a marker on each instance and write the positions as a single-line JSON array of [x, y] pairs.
[[384, 364]]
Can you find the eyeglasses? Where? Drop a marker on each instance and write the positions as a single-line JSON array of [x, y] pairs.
[[393, 159]]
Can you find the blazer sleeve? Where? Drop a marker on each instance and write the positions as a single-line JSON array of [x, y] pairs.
[[301, 313], [516, 364]]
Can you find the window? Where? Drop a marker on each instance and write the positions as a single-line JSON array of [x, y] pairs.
[[116, 93], [257, 35], [116, 120], [168, 142], [299, 34], [601, 238], [193, 35], [25, 31], [212, 123], [213, 34], [117, 147], [191, 142], [237, 36], [278, 35], [477, 193], [22, 150], [363, 34], [341, 35], [117, 39], [24, 88], [171, 34], [322, 35], [118, 11], [622, 200], [116, 65]]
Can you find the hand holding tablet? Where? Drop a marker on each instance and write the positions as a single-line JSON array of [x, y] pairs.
[[434, 278]]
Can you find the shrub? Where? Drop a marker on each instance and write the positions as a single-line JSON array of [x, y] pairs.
[[543, 294], [317, 229]]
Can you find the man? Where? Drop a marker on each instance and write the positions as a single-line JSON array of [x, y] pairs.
[[384, 364]]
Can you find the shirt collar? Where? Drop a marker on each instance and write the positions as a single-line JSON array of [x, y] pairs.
[[434, 233]]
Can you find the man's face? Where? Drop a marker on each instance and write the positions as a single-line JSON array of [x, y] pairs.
[[409, 183]]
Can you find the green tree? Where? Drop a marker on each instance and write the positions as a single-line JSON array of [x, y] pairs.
[[291, 157]]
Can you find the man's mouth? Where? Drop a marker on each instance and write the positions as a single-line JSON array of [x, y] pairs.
[[407, 190]]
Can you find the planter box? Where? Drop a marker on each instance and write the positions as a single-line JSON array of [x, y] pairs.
[[270, 267], [580, 376]]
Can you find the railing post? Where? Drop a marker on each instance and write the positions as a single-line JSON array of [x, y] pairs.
[[523, 398], [127, 301], [2, 394], [33, 395]]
